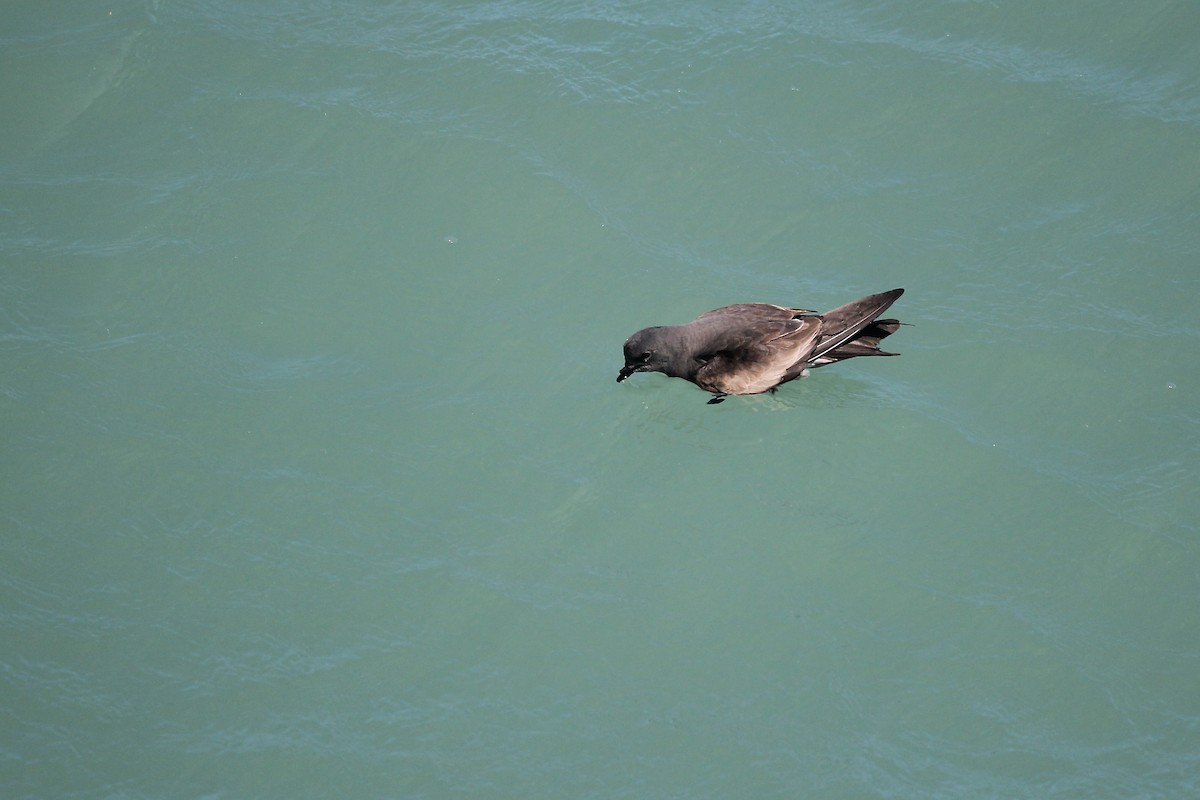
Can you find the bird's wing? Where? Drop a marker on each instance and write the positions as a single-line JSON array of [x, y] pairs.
[[756, 355]]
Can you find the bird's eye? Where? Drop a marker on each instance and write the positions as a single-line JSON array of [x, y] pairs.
[[644, 357]]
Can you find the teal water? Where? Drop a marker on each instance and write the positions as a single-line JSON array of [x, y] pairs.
[[317, 481]]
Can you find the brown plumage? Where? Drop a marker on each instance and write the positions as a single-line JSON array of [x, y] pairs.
[[750, 348]]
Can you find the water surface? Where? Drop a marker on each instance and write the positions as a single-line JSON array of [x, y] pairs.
[[317, 481]]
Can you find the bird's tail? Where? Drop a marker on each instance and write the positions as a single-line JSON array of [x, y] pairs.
[[866, 343], [853, 330]]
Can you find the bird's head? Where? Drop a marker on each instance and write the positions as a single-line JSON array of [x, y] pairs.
[[644, 353]]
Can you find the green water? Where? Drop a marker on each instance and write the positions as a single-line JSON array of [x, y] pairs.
[[317, 481]]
